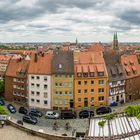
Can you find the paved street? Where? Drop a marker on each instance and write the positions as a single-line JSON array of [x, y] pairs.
[[46, 125], [81, 125]]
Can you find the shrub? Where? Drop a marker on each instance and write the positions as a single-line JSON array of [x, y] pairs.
[[2, 111], [110, 116], [102, 123]]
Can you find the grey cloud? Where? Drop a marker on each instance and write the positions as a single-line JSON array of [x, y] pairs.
[[14, 13], [131, 16], [56, 5]]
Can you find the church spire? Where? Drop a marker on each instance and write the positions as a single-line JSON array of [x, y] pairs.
[[115, 42]]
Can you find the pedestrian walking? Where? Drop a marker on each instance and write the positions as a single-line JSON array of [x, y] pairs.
[[2, 124]]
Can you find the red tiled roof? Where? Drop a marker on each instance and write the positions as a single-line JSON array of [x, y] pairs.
[[90, 62], [79, 69], [42, 66], [85, 68], [100, 68], [130, 64], [16, 66], [91, 68]]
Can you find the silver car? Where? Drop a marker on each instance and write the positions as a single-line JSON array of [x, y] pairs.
[[52, 115]]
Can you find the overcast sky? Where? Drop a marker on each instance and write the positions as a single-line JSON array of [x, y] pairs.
[[66, 20]]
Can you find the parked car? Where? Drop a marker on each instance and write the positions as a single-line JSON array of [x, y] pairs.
[[85, 114], [11, 108], [35, 112], [113, 104], [52, 115], [29, 119], [23, 110], [103, 110], [68, 114], [2, 102]]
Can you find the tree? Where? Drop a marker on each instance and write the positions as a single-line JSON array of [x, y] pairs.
[[1, 87], [3, 111]]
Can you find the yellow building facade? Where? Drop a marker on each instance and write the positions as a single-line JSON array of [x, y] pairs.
[[62, 91], [62, 80]]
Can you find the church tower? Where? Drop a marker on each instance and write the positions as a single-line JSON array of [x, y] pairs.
[[115, 42]]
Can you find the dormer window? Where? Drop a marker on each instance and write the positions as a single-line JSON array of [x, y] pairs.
[[91, 74], [128, 73], [79, 74], [85, 74], [60, 66], [100, 73]]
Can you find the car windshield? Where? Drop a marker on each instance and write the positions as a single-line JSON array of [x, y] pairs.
[[54, 113]]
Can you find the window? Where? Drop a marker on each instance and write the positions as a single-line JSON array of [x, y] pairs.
[[14, 93], [37, 93], [32, 100], [92, 82], [38, 101], [22, 87], [92, 74], [101, 90], [79, 74], [79, 100], [79, 82], [14, 79], [60, 92], [100, 73], [37, 77], [66, 92], [85, 74], [70, 76], [56, 92], [32, 84], [60, 102], [56, 75], [79, 91], [14, 86], [85, 82], [45, 86], [60, 84], [85, 91], [45, 78], [65, 102], [92, 91], [70, 92], [101, 82], [60, 66], [45, 94], [32, 77], [32, 92], [101, 98], [38, 85], [56, 84], [45, 102], [92, 99]]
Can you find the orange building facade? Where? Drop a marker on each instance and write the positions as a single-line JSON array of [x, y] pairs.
[[90, 80]]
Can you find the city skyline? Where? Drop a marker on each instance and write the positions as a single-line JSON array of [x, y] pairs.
[[63, 20]]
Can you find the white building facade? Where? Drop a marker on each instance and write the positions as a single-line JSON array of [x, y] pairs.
[[117, 91], [39, 91]]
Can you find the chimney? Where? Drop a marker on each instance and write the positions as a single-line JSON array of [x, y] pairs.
[[35, 59], [42, 54]]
